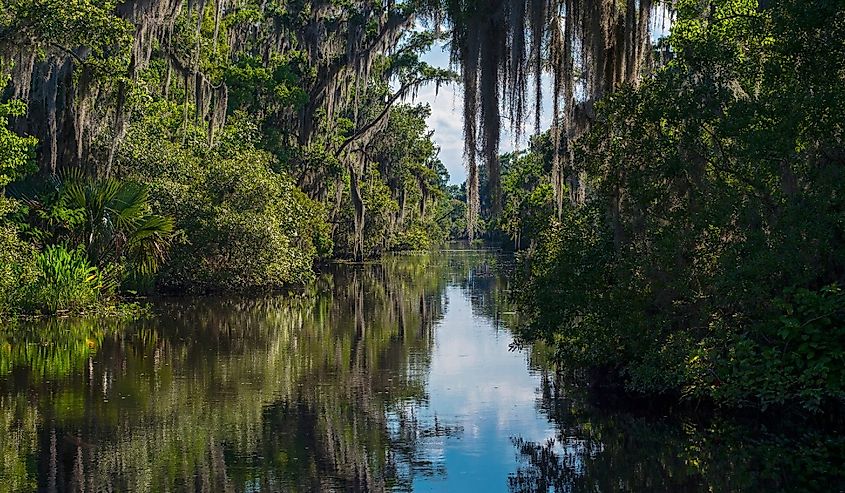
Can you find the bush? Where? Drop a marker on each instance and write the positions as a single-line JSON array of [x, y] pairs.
[[240, 224], [17, 267], [415, 237], [799, 355], [64, 281]]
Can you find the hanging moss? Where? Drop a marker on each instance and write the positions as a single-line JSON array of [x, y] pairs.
[[589, 47], [72, 103], [503, 48]]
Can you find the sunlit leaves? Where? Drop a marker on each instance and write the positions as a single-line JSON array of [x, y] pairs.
[[17, 153]]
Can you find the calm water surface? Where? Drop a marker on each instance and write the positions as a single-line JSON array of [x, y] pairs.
[[393, 376]]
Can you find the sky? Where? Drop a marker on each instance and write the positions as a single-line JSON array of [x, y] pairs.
[[447, 108], [447, 118]]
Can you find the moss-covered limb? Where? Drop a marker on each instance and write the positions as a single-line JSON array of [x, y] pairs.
[[590, 48], [693, 270]]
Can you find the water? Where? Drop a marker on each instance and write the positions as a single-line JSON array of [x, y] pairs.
[[391, 376]]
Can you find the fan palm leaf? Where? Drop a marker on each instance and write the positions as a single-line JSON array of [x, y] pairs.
[[149, 243], [118, 221]]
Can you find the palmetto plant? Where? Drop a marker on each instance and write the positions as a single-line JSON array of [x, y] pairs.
[[114, 222]]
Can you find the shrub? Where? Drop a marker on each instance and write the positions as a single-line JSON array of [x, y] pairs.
[[64, 281], [16, 152], [111, 219], [415, 237], [17, 267], [117, 225], [240, 224], [798, 355]]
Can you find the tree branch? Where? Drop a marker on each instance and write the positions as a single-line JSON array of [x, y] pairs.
[[384, 112], [69, 52]]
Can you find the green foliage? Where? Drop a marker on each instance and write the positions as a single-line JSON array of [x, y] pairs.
[[403, 189], [715, 218], [17, 153], [413, 238], [455, 211], [110, 218], [798, 355], [108, 222], [64, 281], [116, 222], [240, 224], [380, 207], [194, 42], [16, 256], [527, 197], [17, 264], [141, 101], [69, 24], [266, 87]]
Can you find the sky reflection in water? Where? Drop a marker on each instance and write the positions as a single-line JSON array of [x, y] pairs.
[[480, 387], [388, 376]]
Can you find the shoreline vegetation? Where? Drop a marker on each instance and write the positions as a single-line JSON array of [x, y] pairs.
[[247, 375], [678, 230]]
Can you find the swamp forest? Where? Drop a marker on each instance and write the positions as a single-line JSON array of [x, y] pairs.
[[422, 245]]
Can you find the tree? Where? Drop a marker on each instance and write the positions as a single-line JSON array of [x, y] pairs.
[[693, 267], [590, 48]]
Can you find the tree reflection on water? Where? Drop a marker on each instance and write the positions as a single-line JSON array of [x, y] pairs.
[[312, 391], [641, 446], [328, 389]]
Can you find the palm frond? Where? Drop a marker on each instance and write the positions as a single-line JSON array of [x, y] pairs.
[[130, 203], [149, 243], [110, 218]]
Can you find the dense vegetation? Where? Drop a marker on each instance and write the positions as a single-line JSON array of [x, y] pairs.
[[681, 222], [707, 259], [207, 146]]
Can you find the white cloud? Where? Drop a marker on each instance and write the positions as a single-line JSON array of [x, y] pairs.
[[447, 121]]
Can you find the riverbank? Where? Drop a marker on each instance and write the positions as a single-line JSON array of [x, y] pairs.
[[388, 376]]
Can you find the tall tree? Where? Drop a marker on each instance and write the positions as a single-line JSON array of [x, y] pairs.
[[590, 48]]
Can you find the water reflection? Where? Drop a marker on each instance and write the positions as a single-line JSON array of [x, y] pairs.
[[393, 376], [633, 446], [227, 394]]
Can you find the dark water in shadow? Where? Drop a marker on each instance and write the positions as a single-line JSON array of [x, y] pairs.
[[388, 376]]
